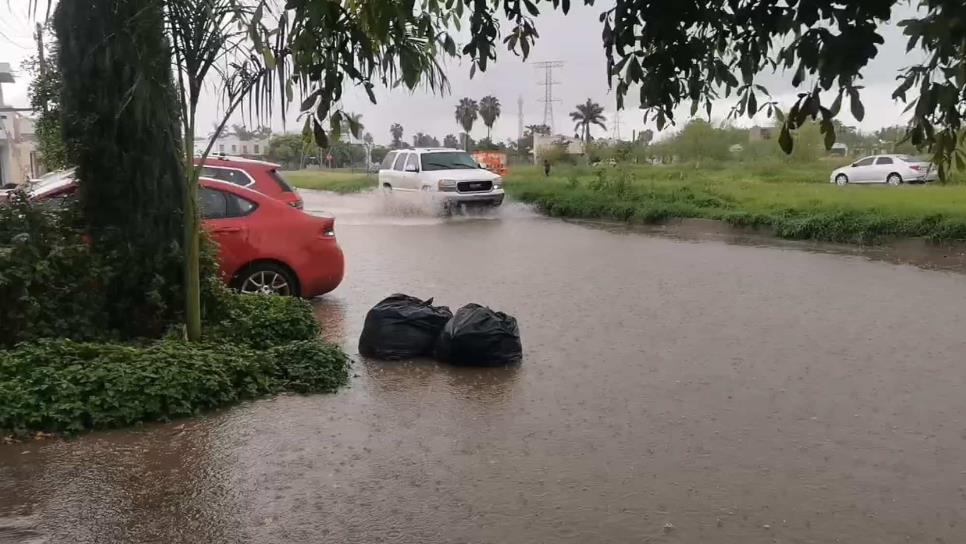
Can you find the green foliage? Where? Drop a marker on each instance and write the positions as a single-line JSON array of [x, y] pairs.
[[451, 141], [467, 111], [489, 111], [65, 386], [262, 321], [790, 198], [289, 150], [330, 180], [310, 366], [396, 131], [118, 105], [44, 94], [587, 114], [51, 285]]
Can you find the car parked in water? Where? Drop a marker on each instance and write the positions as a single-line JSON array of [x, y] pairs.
[[261, 176], [453, 177], [891, 169], [267, 246]]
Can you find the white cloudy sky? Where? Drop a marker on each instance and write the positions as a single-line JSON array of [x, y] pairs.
[[574, 38]]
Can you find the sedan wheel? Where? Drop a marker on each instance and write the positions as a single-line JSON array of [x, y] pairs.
[[266, 279], [841, 179], [894, 179]]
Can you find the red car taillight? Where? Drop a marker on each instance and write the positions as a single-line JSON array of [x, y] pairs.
[[915, 167], [328, 228]]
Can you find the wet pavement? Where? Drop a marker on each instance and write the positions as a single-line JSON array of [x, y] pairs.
[[674, 389]]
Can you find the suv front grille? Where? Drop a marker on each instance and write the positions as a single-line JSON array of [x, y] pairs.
[[474, 186]]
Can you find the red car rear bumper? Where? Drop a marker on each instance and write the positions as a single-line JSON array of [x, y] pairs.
[[322, 269]]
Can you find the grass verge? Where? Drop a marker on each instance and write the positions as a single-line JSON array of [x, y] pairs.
[[793, 201], [337, 181]]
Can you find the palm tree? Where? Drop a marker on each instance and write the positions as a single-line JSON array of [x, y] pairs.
[[466, 113], [586, 114], [489, 111], [539, 129], [397, 133]]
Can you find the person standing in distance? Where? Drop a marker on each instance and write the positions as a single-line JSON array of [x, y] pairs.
[[546, 167]]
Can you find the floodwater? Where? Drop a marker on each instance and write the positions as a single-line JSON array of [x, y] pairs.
[[674, 389]]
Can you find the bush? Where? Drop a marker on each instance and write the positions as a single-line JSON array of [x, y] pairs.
[[55, 284], [263, 321], [67, 386], [310, 366]]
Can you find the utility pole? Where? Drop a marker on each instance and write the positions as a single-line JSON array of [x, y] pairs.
[[547, 84]]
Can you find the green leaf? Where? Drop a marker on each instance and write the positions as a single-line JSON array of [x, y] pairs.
[[836, 105], [634, 71], [858, 110], [318, 133], [828, 130], [752, 104], [785, 140]]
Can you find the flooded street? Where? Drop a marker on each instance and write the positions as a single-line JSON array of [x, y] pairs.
[[672, 390]]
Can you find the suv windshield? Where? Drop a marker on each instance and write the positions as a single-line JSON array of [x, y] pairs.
[[448, 160]]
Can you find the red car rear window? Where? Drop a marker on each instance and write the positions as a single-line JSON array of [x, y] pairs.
[[282, 184]]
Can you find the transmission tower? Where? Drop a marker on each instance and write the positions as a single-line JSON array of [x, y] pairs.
[[519, 118], [616, 133], [547, 84]]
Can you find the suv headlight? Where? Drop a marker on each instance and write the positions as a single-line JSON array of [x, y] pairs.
[[497, 183], [447, 185]]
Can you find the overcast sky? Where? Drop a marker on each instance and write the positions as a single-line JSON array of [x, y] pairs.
[[574, 39]]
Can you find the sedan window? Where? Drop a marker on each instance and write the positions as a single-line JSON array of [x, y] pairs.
[[883, 160], [214, 205], [864, 162]]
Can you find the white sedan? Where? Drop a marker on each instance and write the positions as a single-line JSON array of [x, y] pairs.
[[891, 169]]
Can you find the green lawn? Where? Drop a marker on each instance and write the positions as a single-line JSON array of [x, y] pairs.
[[795, 201], [338, 181]]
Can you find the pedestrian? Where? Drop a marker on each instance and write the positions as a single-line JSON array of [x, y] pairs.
[[546, 167]]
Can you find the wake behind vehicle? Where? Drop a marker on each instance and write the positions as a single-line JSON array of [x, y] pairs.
[[450, 176], [891, 169]]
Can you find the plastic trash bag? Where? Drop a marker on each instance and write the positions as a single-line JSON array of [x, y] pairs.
[[402, 327], [480, 336]]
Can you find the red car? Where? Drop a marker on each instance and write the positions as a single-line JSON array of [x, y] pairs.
[[268, 246], [258, 175]]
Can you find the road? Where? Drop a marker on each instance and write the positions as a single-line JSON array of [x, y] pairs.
[[672, 390]]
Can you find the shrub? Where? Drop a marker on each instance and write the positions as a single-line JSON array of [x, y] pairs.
[[67, 386], [263, 321], [309, 366], [55, 284]]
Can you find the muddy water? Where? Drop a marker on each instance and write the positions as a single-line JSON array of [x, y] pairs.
[[673, 390]]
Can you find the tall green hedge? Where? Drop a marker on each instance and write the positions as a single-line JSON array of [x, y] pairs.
[[120, 115]]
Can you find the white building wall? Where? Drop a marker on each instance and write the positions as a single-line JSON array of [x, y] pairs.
[[232, 145]]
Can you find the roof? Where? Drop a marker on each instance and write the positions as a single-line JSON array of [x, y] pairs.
[[428, 149], [213, 158]]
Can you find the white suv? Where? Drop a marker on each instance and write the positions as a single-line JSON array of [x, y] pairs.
[[453, 176]]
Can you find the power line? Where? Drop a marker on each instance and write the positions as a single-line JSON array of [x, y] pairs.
[[519, 118], [547, 84]]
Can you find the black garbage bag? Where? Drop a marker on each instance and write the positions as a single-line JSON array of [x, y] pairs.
[[480, 336], [402, 327]]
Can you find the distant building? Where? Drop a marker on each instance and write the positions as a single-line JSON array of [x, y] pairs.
[[19, 161], [839, 149], [255, 148], [571, 145], [757, 133]]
